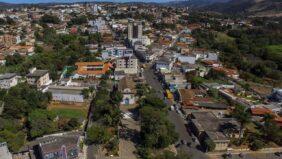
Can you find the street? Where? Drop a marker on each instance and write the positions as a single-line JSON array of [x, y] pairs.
[[179, 123]]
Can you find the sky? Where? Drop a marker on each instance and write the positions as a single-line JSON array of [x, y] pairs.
[[46, 1]]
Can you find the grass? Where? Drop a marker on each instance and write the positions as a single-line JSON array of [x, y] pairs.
[[275, 52], [223, 38], [276, 49], [70, 113]]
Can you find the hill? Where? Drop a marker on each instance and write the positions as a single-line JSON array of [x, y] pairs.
[[194, 3], [250, 7]]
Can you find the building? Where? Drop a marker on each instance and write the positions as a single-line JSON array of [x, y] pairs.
[[200, 123], [127, 87], [2, 59], [276, 95], [186, 59], [8, 80], [4, 151], [116, 52], [175, 81], [91, 69], [98, 25], [163, 65], [127, 64], [38, 78], [59, 147], [9, 40], [67, 93], [135, 30]]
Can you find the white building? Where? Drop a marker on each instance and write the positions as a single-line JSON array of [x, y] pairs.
[[116, 52], [4, 151], [67, 93], [8, 80], [127, 88], [38, 77]]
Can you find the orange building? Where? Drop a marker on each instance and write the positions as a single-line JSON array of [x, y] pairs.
[[92, 69]]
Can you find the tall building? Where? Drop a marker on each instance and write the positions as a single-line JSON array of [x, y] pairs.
[[127, 64], [135, 30]]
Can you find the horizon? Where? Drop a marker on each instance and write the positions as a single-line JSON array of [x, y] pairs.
[[73, 1]]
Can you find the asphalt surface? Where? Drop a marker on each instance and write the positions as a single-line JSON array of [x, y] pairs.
[[176, 119]]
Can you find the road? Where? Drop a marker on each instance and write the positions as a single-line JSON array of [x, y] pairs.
[[180, 123]]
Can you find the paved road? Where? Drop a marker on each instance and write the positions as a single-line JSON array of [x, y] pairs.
[[253, 155], [180, 123]]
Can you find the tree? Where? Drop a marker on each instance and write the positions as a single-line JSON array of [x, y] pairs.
[[213, 93], [257, 144], [41, 123], [47, 18], [197, 81], [270, 130], [209, 144], [85, 92], [243, 118], [156, 130], [14, 59], [116, 97], [78, 20], [98, 135], [73, 123]]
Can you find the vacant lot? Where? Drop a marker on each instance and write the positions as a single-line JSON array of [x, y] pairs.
[[76, 110]]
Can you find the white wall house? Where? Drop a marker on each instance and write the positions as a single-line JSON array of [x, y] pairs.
[[8, 80]]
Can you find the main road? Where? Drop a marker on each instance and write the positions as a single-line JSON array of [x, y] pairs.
[[179, 122]]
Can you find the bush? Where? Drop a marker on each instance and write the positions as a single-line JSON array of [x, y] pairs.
[[209, 145], [257, 145]]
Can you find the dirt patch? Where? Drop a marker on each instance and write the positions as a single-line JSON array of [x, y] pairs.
[[58, 105]]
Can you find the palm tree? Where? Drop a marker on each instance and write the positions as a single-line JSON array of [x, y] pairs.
[[243, 117]]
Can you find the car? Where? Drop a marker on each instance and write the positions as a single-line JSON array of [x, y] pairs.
[[172, 108], [229, 155], [189, 144], [278, 153]]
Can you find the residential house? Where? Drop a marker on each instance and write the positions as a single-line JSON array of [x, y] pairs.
[[8, 80], [4, 151], [91, 69], [276, 95], [127, 87], [195, 99], [232, 73], [163, 65], [2, 60], [175, 81], [127, 64], [38, 78], [219, 132], [22, 50], [67, 93], [9, 40], [186, 59], [59, 147]]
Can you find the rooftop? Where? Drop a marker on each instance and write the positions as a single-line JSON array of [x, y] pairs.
[[37, 73], [7, 76]]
